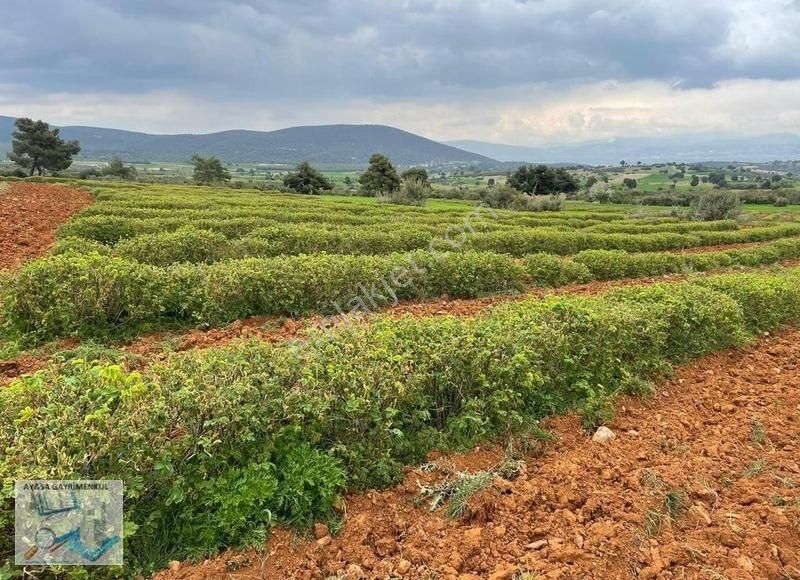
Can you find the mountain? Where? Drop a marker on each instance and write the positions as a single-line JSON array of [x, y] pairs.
[[687, 148], [344, 145]]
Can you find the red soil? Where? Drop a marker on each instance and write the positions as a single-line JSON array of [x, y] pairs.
[[723, 433], [30, 213]]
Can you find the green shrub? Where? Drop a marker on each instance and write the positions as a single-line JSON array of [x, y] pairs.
[[716, 205], [92, 294], [184, 245], [79, 246], [538, 202], [58, 295], [615, 264], [103, 229], [766, 301], [412, 192], [699, 321], [216, 445], [709, 261], [553, 271]]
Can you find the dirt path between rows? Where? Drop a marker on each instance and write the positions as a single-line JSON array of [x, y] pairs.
[[30, 213], [700, 482]]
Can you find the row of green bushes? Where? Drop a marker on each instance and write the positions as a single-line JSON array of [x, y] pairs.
[[246, 237], [210, 200], [97, 294], [216, 446], [519, 243], [110, 227], [328, 214], [638, 227]]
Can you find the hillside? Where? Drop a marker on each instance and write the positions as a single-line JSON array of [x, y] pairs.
[[687, 148], [348, 145]]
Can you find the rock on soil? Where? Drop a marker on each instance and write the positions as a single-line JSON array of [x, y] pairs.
[[720, 438], [603, 435]]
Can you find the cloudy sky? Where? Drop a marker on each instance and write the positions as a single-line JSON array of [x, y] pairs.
[[514, 71]]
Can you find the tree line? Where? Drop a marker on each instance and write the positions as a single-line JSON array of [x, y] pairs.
[[39, 148]]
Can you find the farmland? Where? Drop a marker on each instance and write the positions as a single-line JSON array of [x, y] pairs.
[[219, 445]]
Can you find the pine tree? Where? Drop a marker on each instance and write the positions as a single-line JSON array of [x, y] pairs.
[[380, 178], [306, 179], [38, 148]]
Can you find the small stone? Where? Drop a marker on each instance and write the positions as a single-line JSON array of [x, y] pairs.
[[729, 539], [174, 566], [325, 541], [354, 572], [385, 547], [603, 435], [698, 514], [745, 563], [537, 545], [504, 572], [403, 566]]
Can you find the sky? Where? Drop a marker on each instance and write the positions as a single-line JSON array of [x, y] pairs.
[[523, 72]]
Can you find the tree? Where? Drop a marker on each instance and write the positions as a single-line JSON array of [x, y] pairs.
[[416, 174], [209, 170], [380, 178], [306, 179], [38, 148], [116, 168], [695, 181], [717, 178], [542, 180], [716, 205], [590, 181], [629, 182]]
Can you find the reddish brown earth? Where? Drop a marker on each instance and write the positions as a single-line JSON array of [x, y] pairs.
[[723, 435], [30, 213]]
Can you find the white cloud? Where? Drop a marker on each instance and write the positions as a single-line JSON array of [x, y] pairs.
[[531, 115]]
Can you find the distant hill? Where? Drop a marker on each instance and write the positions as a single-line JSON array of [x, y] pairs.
[[345, 145], [688, 148]]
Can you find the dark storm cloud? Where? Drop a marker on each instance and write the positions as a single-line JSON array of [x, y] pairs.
[[328, 49]]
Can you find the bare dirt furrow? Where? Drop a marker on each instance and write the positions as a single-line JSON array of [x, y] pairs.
[[30, 213], [700, 482]]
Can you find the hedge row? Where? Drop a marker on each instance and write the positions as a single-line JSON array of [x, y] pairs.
[[568, 243], [97, 294], [216, 446], [167, 218], [247, 237], [285, 206], [324, 215]]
